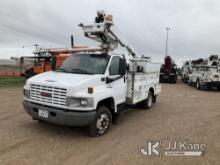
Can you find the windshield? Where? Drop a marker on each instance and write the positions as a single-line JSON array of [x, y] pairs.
[[85, 64]]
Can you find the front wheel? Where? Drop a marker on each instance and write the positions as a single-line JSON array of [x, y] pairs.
[[190, 83], [101, 123]]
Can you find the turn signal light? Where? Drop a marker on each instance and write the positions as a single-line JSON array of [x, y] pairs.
[[90, 90]]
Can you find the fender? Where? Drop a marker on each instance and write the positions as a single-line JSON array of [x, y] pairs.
[[102, 95]]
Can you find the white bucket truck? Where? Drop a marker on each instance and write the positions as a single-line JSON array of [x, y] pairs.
[[206, 73], [94, 84]]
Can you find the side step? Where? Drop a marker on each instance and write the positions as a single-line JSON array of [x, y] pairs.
[[123, 108]]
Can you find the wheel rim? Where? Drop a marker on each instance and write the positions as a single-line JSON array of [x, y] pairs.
[[102, 123], [150, 99]]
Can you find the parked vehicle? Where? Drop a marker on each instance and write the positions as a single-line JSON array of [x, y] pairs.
[[93, 85], [168, 71], [186, 71], [43, 58], [205, 73], [41, 64], [205, 77]]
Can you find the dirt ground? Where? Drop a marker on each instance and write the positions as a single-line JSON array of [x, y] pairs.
[[181, 113]]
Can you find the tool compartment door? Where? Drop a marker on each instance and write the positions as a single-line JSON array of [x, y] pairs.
[[137, 88]]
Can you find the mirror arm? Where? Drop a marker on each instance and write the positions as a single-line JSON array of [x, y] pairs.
[[110, 80]]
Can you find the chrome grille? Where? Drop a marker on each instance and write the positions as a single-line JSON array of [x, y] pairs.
[[56, 95]]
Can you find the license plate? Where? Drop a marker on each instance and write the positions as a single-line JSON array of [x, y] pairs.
[[43, 113]]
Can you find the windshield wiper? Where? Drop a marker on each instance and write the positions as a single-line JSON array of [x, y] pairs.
[[61, 70], [75, 70]]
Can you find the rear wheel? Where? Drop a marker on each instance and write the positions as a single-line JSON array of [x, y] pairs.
[[154, 99], [198, 85], [101, 123], [149, 101]]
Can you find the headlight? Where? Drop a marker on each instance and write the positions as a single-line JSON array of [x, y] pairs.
[[76, 102], [72, 102], [26, 93], [84, 102]]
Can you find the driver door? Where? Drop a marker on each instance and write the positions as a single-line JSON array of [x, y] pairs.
[[118, 83]]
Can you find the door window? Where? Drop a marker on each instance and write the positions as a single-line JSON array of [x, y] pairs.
[[114, 66]]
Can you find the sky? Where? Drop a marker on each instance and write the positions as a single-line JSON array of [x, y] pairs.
[[194, 25]]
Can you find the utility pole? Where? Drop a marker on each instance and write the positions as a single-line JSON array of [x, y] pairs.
[[167, 29], [35, 59], [72, 41]]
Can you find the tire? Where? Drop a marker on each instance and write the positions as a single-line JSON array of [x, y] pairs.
[[147, 104], [183, 79], [173, 79], [208, 88], [101, 123], [154, 99], [198, 86], [161, 79], [189, 83]]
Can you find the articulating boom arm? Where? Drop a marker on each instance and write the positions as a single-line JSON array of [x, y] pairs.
[[129, 49]]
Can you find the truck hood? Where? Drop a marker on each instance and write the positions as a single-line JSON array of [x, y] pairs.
[[65, 80]]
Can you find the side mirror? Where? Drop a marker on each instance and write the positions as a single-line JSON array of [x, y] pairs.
[[53, 63], [122, 66]]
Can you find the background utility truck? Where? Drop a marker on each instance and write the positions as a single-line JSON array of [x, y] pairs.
[[94, 84], [206, 73], [168, 71]]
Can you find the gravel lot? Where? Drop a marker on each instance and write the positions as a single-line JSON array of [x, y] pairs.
[[181, 113]]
